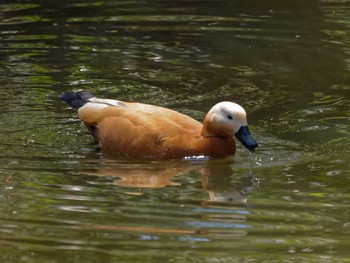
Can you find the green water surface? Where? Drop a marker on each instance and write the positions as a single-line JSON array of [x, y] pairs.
[[288, 64]]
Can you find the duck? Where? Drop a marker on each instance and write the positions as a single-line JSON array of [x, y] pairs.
[[147, 131]]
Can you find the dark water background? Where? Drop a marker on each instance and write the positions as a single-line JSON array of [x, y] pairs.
[[287, 62]]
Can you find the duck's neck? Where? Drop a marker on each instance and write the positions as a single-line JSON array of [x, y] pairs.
[[217, 146]]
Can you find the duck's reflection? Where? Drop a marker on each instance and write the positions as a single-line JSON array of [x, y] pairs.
[[220, 213], [217, 177], [141, 174], [137, 177], [224, 187]]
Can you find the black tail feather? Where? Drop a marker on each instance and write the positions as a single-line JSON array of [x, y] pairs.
[[76, 99]]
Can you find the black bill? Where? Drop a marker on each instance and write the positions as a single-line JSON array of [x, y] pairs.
[[243, 135]]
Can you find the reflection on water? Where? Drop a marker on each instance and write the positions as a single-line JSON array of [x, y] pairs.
[[137, 175], [216, 177], [286, 62]]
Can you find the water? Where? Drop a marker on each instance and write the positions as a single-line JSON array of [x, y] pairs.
[[286, 62]]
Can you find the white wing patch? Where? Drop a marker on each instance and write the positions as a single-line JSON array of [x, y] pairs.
[[108, 102]]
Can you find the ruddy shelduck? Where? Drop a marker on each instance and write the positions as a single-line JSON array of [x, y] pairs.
[[143, 130]]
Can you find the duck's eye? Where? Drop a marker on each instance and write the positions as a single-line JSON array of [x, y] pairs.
[[229, 117]]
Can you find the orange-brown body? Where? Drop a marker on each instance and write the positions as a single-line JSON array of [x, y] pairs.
[[142, 130]]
